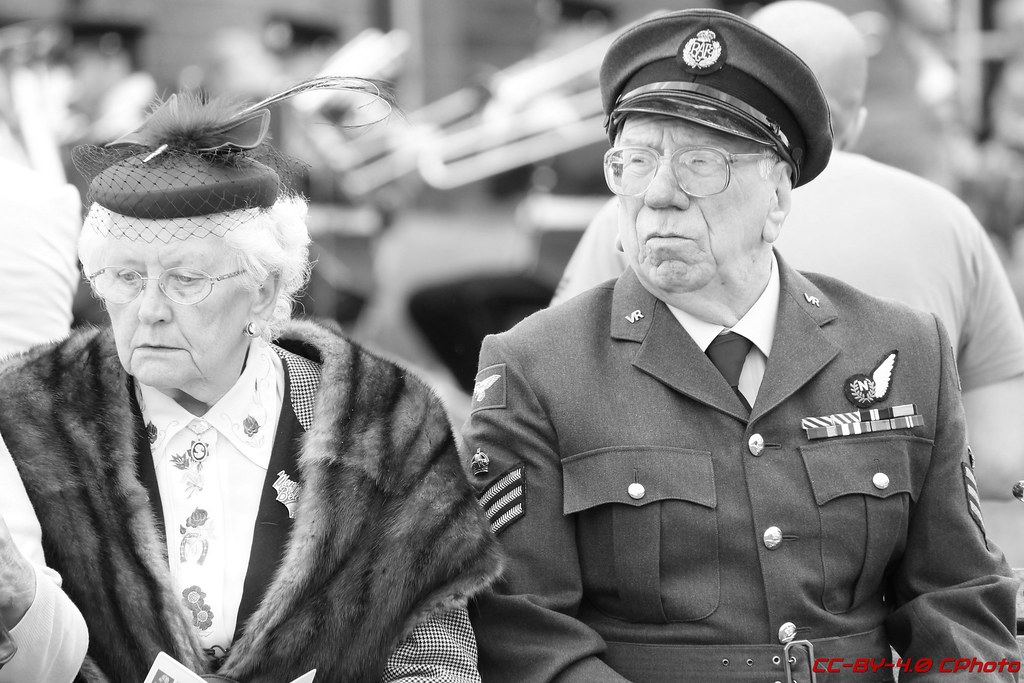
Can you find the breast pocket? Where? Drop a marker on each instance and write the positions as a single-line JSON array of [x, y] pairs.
[[864, 489], [647, 531]]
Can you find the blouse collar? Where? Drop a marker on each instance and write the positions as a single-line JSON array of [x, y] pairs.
[[246, 415]]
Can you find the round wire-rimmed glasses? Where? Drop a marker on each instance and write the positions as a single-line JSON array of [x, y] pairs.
[[187, 286], [699, 171]]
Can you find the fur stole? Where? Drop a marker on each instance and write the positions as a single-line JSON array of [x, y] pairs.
[[387, 530]]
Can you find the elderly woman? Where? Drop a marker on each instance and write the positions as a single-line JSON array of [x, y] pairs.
[[255, 497]]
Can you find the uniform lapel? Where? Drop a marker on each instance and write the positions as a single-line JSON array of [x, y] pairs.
[[666, 352], [800, 349]]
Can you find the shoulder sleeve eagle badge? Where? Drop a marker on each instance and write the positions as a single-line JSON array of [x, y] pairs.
[[489, 388], [480, 388]]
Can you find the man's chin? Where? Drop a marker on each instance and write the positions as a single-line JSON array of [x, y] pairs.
[[672, 277]]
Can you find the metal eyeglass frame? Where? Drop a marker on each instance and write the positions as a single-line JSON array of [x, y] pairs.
[[159, 280]]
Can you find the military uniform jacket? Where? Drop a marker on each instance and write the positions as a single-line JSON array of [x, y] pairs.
[[387, 531], [737, 529]]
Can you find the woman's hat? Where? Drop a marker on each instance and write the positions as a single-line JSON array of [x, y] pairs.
[[199, 157]]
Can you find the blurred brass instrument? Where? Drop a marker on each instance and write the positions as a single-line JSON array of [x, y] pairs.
[[540, 107]]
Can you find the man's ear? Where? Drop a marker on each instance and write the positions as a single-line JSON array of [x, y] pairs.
[[780, 203]]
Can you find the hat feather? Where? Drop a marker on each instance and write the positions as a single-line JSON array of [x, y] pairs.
[[192, 122], [368, 86]]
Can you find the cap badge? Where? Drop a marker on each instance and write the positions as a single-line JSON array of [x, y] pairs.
[[702, 53], [863, 391]]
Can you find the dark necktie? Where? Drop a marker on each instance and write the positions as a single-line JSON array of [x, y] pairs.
[[728, 351]]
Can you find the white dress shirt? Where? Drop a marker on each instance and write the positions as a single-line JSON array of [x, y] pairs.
[[757, 325]]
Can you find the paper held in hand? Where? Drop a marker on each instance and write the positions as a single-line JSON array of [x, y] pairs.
[[166, 669]]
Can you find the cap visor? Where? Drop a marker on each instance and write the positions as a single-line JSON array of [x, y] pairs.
[[695, 109]]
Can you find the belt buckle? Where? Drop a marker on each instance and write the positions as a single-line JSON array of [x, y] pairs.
[[809, 647]]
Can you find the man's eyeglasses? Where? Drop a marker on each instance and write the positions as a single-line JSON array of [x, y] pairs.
[[699, 171], [119, 285]]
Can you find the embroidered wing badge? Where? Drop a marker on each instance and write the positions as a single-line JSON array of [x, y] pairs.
[[863, 391]]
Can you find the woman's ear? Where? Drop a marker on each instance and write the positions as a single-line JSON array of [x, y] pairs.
[[266, 297]]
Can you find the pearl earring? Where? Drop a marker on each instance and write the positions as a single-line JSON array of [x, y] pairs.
[[250, 329]]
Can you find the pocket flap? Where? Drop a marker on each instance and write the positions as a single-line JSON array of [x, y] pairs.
[[879, 467], [604, 476]]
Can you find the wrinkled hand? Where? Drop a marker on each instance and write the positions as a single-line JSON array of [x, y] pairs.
[[17, 580]]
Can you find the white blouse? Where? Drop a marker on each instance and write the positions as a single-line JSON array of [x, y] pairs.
[[210, 471]]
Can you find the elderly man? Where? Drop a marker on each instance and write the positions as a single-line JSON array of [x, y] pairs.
[[889, 233], [795, 500]]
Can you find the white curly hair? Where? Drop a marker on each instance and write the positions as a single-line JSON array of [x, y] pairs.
[[266, 243]]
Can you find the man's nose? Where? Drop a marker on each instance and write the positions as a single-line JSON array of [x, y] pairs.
[[665, 190]]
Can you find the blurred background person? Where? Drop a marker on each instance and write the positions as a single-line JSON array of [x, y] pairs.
[[993, 187], [42, 213], [43, 636], [916, 120], [896, 235], [39, 266], [36, 616]]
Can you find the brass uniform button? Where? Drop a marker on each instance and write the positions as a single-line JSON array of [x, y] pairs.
[[636, 491], [772, 537], [880, 481], [787, 632], [755, 444]]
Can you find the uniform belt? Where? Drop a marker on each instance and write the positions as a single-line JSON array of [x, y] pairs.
[[755, 663]]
